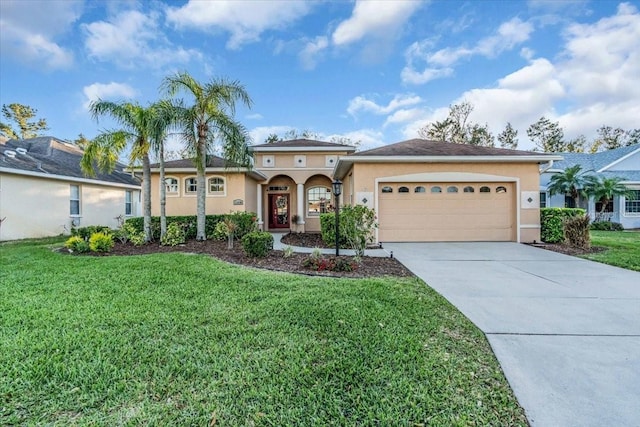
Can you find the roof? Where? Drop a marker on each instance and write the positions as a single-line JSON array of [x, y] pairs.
[[303, 145], [425, 151], [213, 163], [423, 147], [600, 162], [47, 156]]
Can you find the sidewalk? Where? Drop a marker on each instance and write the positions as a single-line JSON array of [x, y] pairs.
[[278, 245]]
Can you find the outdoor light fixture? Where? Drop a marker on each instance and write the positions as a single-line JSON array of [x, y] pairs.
[[337, 190]]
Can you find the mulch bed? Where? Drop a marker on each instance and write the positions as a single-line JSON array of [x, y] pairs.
[[275, 260], [567, 249]]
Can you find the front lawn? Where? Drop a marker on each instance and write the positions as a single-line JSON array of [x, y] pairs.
[[623, 248], [179, 339]]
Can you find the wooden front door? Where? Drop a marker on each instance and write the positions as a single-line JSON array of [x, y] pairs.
[[278, 211]]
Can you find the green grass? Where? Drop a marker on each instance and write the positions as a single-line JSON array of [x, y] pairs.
[[623, 248], [176, 339]]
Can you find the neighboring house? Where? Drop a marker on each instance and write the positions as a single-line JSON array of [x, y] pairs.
[[421, 190], [623, 162], [43, 191]]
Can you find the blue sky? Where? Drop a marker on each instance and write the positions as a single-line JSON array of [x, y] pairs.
[[372, 71]]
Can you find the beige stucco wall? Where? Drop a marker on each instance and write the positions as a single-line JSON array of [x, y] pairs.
[[364, 180], [39, 207], [237, 187]]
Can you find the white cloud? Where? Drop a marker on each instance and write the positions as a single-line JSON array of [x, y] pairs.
[[365, 138], [107, 91], [374, 18], [362, 103], [131, 38], [245, 20], [440, 63], [255, 116], [29, 30], [259, 134], [312, 52], [405, 116]]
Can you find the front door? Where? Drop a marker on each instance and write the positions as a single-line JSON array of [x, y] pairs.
[[278, 211]]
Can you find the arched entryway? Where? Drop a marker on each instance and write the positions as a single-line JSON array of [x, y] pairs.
[[279, 201]]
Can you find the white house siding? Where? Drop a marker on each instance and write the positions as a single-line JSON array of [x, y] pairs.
[[39, 207]]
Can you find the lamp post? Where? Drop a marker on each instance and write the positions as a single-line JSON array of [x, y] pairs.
[[337, 190]]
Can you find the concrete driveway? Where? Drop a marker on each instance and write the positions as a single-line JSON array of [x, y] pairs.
[[565, 330]]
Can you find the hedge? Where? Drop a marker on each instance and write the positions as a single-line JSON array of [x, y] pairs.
[[552, 222], [244, 220]]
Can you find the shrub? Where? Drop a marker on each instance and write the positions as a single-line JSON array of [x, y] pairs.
[[220, 233], [357, 225], [606, 226], [551, 222], [246, 222], [287, 252], [328, 264], [257, 243], [77, 244], [174, 235], [576, 231], [86, 232], [101, 242]]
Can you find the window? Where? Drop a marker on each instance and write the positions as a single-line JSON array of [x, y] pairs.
[[387, 189], [171, 185], [501, 189], [543, 199], [403, 190], [278, 188], [607, 208], [216, 185], [318, 200], [452, 189], [485, 189], [436, 189], [468, 189], [74, 200], [190, 185], [128, 205], [632, 203], [419, 189]]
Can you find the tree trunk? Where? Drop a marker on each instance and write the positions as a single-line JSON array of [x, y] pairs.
[[146, 178], [163, 195], [202, 190]]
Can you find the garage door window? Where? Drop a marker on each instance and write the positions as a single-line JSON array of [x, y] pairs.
[[403, 190], [469, 189], [436, 189], [387, 189], [452, 189], [419, 189], [485, 189], [501, 189]]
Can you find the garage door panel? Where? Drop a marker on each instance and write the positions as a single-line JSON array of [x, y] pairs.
[[447, 216]]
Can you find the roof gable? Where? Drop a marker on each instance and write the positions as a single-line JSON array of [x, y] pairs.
[[302, 145]]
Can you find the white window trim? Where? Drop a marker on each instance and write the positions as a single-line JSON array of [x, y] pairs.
[[79, 214], [218, 193], [309, 214], [130, 192], [624, 207], [174, 194], [184, 186]]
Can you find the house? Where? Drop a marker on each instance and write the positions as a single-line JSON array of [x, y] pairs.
[[421, 190], [623, 162], [43, 191]]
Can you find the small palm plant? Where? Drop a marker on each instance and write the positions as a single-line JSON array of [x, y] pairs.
[[605, 189], [573, 181]]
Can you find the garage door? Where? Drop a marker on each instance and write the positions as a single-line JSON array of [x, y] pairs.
[[446, 212]]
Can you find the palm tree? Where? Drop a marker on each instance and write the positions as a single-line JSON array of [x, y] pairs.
[[207, 119], [603, 189], [572, 182], [140, 127]]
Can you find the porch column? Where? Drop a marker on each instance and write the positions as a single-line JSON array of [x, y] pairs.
[[300, 207], [259, 206]]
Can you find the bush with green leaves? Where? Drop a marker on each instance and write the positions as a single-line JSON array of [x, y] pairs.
[[607, 226], [101, 242], [552, 222], [220, 233], [337, 264], [576, 231], [77, 244], [357, 228], [174, 235], [287, 252], [86, 232], [257, 243], [245, 221]]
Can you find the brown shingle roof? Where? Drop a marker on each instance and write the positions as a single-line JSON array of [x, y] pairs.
[[423, 147]]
